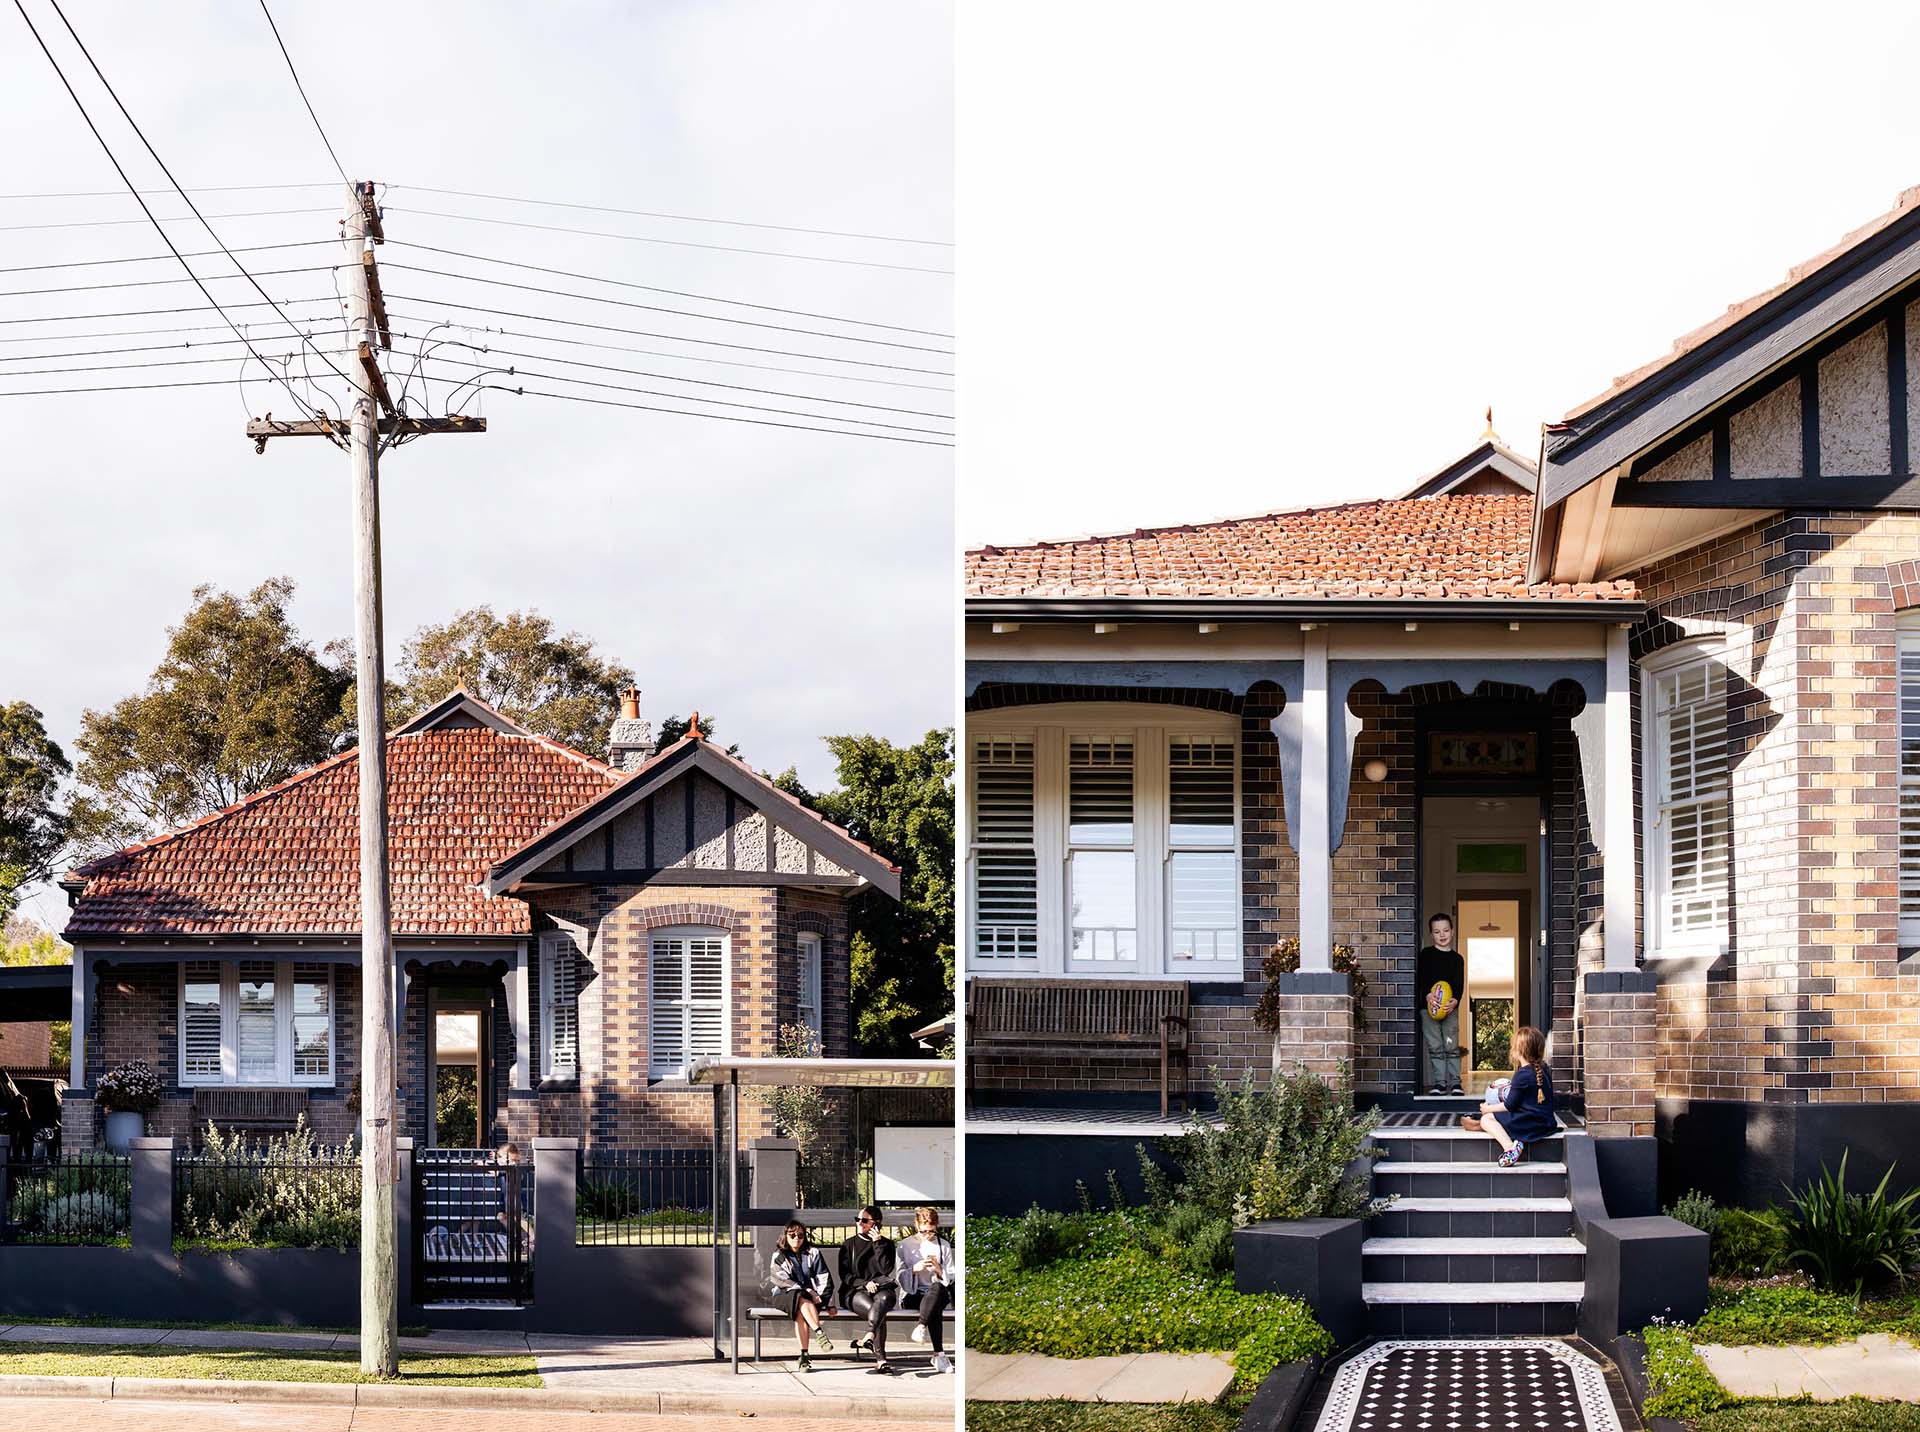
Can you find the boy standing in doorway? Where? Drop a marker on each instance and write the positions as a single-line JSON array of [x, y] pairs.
[[1439, 982]]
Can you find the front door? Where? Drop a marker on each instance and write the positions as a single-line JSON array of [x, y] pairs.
[[1492, 936], [460, 1061]]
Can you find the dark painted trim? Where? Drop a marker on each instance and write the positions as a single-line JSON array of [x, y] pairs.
[[682, 875], [1767, 493], [687, 805], [1898, 452], [1809, 417], [460, 703], [1189, 609], [733, 860], [1488, 456], [647, 806], [1585, 447], [607, 851], [1723, 448]]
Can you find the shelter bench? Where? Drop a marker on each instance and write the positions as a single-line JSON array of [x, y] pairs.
[[1097, 1013], [762, 1313]]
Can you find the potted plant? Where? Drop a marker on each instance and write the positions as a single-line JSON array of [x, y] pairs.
[[128, 1092]]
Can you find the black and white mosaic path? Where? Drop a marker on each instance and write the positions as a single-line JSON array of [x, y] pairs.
[[1469, 1385]]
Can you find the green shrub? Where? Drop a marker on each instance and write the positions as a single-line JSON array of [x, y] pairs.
[[1696, 1210], [1043, 1236], [86, 1198], [1748, 1243], [1779, 1313], [1850, 1241], [1279, 1153], [1210, 1250], [1679, 1384], [285, 1191], [1116, 1296], [96, 1217]]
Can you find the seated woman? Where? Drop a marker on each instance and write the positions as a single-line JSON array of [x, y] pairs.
[[1526, 1113], [925, 1275], [800, 1286]]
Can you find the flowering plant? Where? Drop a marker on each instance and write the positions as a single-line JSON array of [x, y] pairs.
[[131, 1088]]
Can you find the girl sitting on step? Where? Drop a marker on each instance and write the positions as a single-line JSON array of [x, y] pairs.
[[1527, 1112]]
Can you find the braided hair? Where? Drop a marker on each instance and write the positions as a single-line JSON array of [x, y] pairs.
[[1531, 1045]]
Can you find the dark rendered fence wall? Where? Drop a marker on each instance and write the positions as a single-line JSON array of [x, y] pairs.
[[660, 1291]]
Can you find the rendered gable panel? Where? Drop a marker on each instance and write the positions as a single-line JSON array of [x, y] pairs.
[[1853, 408], [709, 825], [1765, 438]]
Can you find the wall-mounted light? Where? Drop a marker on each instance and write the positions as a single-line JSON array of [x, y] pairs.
[[1375, 770]]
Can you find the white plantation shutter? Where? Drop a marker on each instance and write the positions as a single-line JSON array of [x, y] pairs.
[[1103, 926], [1910, 781], [688, 1001], [809, 991], [560, 1004], [1203, 880], [200, 1022], [312, 1022], [1006, 924], [256, 1028], [1693, 810]]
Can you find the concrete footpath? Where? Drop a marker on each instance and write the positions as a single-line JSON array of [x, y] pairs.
[[604, 1374], [1133, 1377], [1875, 1365]]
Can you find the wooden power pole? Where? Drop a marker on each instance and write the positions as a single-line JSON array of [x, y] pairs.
[[368, 331]]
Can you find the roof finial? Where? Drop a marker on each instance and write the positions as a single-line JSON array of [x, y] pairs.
[[1490, 433], [693, 726]]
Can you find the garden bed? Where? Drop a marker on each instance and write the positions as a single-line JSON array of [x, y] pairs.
[[1108, 1293]]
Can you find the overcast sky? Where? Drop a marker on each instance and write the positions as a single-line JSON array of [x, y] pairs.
[[1228, 258], [791, 584]]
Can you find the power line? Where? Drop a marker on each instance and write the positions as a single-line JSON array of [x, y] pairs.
[[168, 258], [653, 288], [170, 219], [683, 218], [155, 332], [678, 397], [148, 388], [676, 312], [154, 154], [114, 160], [156, 282], [197, 189], [108, 367], [158, 312], [716, 417], [303, 94], [673, 337], [675, 243], [650, 353]]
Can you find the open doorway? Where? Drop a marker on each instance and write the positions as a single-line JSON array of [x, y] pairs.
[[459, 1060]]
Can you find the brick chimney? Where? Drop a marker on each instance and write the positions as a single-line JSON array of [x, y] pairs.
[[630, 743]]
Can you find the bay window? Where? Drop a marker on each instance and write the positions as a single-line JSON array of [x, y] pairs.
[[255, 1022], [1103, 839], [1689, 815]]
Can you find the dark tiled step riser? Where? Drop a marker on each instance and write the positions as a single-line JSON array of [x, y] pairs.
[[1473, 1267], [1426, 1320], [1402, 1223], [1499, 1183], [1463, 1151]]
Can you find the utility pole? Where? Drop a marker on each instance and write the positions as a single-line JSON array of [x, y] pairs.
[[379, 1162]]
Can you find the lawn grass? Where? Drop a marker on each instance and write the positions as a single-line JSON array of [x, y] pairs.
[[1056, 1415], [257, 1365], [1855, 1414], [407, 1330]]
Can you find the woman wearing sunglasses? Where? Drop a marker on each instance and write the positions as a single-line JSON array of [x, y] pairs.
[[867, 1284], [798, 1279]]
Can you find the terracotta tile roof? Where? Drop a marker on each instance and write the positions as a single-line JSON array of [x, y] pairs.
[[1687, 342], [287, 860], [1433, 547]]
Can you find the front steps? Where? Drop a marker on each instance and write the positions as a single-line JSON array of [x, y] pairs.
[[1469, 1248]]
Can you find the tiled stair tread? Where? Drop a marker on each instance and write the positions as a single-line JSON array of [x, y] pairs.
[[1425, 1166], [1453, 1131], [1524, 1247], [1472, 1292], [1402, 1204]]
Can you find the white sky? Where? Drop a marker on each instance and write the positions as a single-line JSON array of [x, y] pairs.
[[1228, 258], [793, 585]]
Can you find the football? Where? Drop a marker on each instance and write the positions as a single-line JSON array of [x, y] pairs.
[[1440, 999]]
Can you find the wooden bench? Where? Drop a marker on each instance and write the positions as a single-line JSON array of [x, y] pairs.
[[1094, 1013], [247, 1111], [765, 1313]]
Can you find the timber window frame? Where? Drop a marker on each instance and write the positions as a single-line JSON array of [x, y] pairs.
[[689, 998], [1687, 799], [1908, 795], [301, 997], [561, 963], [1169, 865], [807, 1006]]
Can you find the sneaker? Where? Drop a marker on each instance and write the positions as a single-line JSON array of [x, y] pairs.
[[822, 1341], [942, 1363], [1435, 1089], [1513, 1155], [880, 1369], [862, 1344], [806, 1363], [919, 1333], [1456, 1089]]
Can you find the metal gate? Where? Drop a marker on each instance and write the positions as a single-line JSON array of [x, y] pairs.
[[472, 1228]]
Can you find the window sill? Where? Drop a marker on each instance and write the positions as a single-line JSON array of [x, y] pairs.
[[1686, 965], [558, 1084]]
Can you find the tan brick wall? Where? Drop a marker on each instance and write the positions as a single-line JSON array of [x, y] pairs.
[[25, 1046], [1622, 1052], [1810, 1006], [1315, 1033]]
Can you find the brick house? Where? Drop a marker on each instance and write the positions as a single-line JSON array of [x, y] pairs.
[[1644, 715], [569, 937]]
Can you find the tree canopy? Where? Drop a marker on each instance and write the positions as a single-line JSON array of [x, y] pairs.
[[33, 824], [551, 683], [239, 702]]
